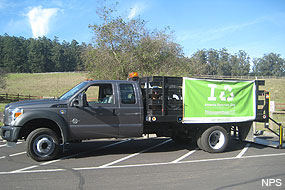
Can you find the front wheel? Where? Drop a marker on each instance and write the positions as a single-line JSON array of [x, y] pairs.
[[214, 139], [42, 144]]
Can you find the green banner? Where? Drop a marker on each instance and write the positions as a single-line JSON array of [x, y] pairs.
[[218, 101]]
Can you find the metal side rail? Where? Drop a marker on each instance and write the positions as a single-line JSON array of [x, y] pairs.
[[273, 143]]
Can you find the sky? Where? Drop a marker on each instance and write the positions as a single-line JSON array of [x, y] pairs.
[[255, 26]]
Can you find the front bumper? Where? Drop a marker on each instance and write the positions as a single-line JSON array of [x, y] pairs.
[[10, 133]]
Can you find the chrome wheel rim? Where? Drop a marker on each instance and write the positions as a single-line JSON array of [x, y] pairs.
[[43, 145], [216, 140]]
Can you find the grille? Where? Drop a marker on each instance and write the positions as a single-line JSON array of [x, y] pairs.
[[5, 119]]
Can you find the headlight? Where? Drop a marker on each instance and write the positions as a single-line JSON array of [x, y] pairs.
[[13, 114]]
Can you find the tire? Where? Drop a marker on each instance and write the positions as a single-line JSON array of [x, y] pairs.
[[42, 144], [198, 139], [199, 143], [214, 139]]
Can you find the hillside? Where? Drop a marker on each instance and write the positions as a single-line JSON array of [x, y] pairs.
[[42, 84], [55, 84]]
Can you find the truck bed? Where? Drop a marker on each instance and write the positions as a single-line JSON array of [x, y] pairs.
[[162, 98]]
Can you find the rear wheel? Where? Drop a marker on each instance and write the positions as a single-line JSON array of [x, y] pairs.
[[199, 143], [42, 144], [214, 139]]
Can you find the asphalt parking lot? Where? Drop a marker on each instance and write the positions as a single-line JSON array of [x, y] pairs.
[[145, 164]]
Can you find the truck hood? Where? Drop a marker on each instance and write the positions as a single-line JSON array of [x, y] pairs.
[[43, 103]]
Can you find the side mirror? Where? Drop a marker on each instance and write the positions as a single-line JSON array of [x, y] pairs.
[[82, 100], [75, 103]]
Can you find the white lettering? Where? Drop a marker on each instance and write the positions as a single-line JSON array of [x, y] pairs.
[[212, 97], [265, 182], [278, 182], [271, 182]]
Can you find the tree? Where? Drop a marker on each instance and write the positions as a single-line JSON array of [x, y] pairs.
[[18, 54], [199, 63], [240, 64], [220, 62], [122, 46], [213, 62], [269, 65], [57, 57], [35, 58], [14, 54], [224, 67]]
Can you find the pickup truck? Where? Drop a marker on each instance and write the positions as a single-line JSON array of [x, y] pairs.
[[157, 105]]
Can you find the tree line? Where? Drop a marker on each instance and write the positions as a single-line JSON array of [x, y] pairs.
[[120, 46], [36, 55]]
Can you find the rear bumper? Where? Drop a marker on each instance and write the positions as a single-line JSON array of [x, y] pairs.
[[10, 133]]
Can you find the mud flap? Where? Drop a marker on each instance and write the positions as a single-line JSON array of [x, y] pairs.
[[246, 133]]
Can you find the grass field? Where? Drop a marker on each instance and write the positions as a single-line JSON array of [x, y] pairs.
[[42, 84], [276, 87]]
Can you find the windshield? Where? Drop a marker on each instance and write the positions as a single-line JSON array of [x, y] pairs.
[[73, 91]]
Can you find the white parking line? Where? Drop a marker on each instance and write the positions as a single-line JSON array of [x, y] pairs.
[[242, 152], [74, 155], [11, 155], [135, 154], [23, 169], [184, 156], [17, 154], [5, 145], [143, 165]]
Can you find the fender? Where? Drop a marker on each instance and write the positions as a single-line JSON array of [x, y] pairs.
[[40, 114]]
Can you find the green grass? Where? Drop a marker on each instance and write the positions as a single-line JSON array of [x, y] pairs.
[[2, 106], [55, 84], [46, 84], [276, 89]]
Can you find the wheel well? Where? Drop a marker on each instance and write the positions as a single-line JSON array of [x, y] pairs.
[[39, 123], [201, 128]]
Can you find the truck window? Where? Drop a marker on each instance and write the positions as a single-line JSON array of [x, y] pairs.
[[127, 94], [100, 94]]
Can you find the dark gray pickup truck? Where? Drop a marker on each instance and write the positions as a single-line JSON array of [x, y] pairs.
[[115, 109]]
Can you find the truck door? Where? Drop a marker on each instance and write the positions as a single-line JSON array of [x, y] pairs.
[[130, 110], [97, 119]]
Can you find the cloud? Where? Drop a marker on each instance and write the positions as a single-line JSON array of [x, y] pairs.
[[137, 9], [39, 19], [209, 34]]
